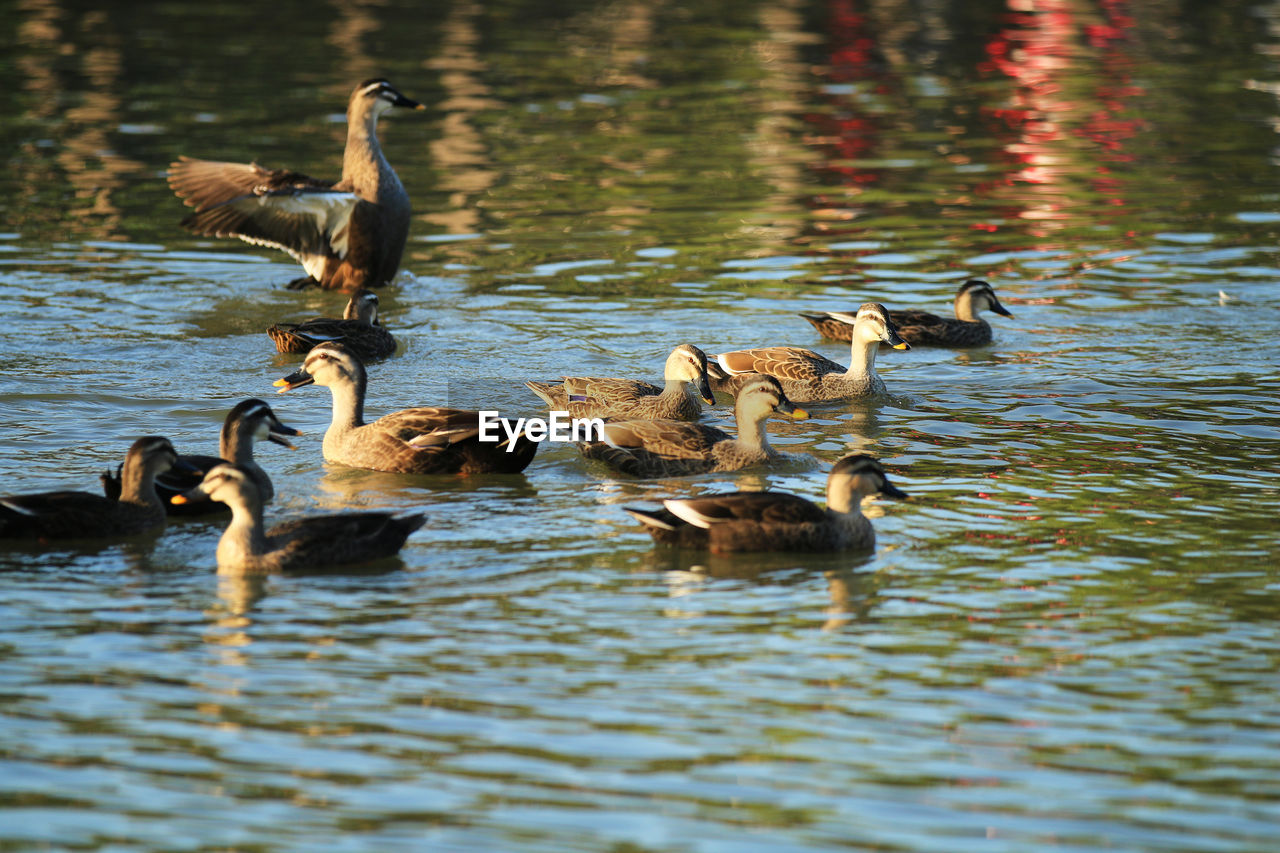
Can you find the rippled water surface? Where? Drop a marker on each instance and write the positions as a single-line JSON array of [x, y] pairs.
[[1066, 639]]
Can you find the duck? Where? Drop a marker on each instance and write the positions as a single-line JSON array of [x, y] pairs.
[[248, 421], [920, 328], [669, 448], [55, 516], [589, 396], [776, 521], [808, 377], [423, 440], [347, 234], [359, 329], [301, 545]]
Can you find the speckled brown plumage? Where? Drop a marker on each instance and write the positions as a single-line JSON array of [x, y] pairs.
[[594, 397], [313, 544], [422, 440], [667, 448], [346, 234], [807, 376], [359, 328], [921, 328], [775, 521]]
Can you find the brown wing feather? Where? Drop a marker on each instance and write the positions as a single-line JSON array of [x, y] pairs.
[[674, 439], [431, 426], [760, 507], [830, 327], [660, 448], [203, 184], [613, 392], [793, 363], [73, 515], [332, 540], [609, 397], [437, 440], [365, 340], [910, 317], [368, 262], [552, 394], [238, 199]]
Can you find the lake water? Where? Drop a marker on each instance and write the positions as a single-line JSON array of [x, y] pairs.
[[1067, 639]]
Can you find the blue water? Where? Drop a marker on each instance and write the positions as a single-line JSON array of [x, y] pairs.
[[1063, 640]]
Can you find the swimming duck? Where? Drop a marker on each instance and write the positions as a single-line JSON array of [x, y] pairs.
[[248, 422], [359, 329], [808, 377], [83, 515], [425, 440], [302, 545], [346, 234], [667, 448], [592, 397], [920, 328], [776, 521]]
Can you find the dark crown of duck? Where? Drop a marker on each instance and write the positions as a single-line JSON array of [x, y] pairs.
[[254, 411], [382, 88], [861, 465]]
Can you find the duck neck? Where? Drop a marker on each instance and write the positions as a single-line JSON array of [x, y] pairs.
[[752, 430], [675, 388], [362, 162], [862, 358], [348, 406], [138, 485], [244, 536], [235, 445], [842, 499], [964, 307]]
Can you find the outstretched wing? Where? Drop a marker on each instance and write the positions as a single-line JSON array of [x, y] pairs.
[[306, 217]]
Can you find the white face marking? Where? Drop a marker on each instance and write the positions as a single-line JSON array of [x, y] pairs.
[[372, 87], [767, 393], [875, 321], [157, 446]]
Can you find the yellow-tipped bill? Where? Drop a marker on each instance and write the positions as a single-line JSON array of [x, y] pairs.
[[293, 380]]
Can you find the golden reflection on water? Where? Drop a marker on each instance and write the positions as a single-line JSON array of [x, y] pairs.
[[852, 594], [354, 26], [774, 147], [460, 154], [238, 592], [83, 132]]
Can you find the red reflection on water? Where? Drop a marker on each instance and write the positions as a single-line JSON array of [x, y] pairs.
[[1073, 76], [848, 132]]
